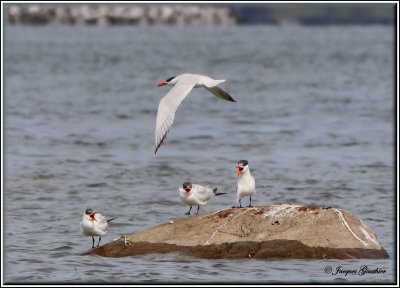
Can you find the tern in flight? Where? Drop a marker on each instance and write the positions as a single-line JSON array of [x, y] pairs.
[[183, 84]]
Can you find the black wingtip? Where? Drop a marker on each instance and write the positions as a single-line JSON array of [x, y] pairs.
[[109, 220], [156, 149], [161, 142], [228, 97]]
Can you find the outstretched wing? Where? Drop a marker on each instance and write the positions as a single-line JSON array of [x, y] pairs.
[[167, 109]]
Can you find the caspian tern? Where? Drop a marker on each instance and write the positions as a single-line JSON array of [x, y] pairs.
[[183, 84], [94, 224], [194, 194], [246, 184]]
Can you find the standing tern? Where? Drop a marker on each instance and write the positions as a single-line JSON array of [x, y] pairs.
[[94, 224], [194, 194], [183, 84], [246, 184]]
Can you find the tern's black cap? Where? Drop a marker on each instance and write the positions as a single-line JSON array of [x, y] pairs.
[[89, 211], [187, 184], [243, 162]]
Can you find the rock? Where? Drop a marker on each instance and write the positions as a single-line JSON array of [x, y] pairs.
[[277, 231], [105, 15]]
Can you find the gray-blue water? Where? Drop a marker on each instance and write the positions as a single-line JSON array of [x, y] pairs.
[[314, 118]]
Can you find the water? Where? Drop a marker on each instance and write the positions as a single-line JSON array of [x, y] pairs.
[[314, 118]]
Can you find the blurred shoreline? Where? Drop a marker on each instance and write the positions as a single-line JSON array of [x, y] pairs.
[[199, 15], [107, 15]]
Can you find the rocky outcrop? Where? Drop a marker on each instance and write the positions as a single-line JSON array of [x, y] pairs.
[[120, 15], [277, 231]]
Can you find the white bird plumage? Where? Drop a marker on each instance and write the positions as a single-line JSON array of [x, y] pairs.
[[168, 105], [246, 183], [94, 224], [195, 194]]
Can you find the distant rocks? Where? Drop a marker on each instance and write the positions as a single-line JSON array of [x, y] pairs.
[[119, 15], [277, 231], [198, 14]]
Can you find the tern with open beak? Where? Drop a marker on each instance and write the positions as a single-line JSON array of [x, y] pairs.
[[183, 84], [246, 184], [195, 194], [94, 224]]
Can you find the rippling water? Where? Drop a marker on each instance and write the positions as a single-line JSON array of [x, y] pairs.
[[314, 118]]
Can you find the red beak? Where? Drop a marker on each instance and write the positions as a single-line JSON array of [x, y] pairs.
[[162, 84], [92, 216], [240, 170]]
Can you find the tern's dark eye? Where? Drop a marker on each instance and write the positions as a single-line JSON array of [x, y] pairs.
[[169, 79], [89, 211], [187, 185]]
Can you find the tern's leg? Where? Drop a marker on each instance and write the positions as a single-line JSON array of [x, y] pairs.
[[92, 242], [250, 202], [198, 207], [188, 213], [99, 241]]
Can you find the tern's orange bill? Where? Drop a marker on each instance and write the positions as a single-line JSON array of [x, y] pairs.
[[162, 84]]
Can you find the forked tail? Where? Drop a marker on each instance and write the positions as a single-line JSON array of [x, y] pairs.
[[212, 83], [109, 220], [217, 194]]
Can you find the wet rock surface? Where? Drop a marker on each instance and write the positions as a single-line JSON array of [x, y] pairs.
[[277, 231]]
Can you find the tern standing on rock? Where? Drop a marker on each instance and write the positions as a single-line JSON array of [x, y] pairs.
[[183, 84], [94, 224], [246, 184], [194, 194]]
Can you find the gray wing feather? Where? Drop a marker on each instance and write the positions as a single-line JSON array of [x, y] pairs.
[[220, 93], [102, 224], [204, 193]]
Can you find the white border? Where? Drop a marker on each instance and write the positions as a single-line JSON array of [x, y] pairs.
[[195, 2]]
